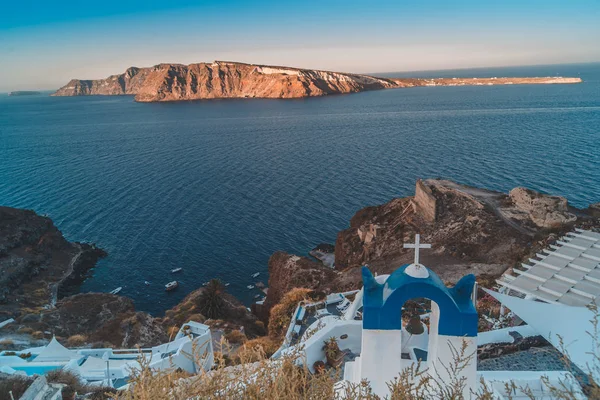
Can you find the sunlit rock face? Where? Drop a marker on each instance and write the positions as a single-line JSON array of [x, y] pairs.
[[173, 82]]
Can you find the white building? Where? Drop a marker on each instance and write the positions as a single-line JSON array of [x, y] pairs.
[[191, 351], [378, 347]]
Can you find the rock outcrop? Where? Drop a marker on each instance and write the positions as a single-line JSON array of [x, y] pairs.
[[288, 271], [105, 319], [222, 79], [234, 315], [543, 210], [37, 264], [471, 231], [173, 82]]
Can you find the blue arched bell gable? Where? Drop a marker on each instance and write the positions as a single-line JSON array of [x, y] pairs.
[[382, 303]]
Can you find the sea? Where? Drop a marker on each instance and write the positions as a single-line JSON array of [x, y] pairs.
[[215, 187]]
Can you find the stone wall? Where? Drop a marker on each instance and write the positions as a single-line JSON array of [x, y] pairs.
[[425, 202]]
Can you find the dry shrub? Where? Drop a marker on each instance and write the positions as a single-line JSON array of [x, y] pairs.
[[37, 335], [25, 330], [256, 349], [76, 340], [31, 310], [172, 331], [74, 384], [262, 379], [259, 378], [235, 337], [197, 318], [281, 314], [17, 384]]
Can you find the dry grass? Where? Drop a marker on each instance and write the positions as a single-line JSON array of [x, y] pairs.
[[257, 377], [172, 331], [76, 340], [280, 315], [256, 350], [251, 380], [38, 335], [17, 384], [74, 385], [235, 337]]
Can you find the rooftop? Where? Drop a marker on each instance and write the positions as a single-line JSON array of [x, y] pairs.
[[567, 272]]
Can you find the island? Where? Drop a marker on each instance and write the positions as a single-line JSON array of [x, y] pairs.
[[23, 93], [224, 79]]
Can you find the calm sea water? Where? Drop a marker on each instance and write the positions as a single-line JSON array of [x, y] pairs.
[[216, 187]]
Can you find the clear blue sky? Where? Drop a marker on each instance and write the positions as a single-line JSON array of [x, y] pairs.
[[44, 43]]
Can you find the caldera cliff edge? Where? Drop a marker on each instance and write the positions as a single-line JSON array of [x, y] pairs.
[[471, 230], [224, 79]]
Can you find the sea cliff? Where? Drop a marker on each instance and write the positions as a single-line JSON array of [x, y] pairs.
[[40, 274], [471, 230], [222, 79]]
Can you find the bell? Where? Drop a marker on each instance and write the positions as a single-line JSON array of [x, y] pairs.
[[414, 326]]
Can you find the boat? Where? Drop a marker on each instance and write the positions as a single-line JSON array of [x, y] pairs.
[[205, 284], [117, 290], [250, 286], [227, 284], [171, 286], [146, 283], [257, 296], [255, 275], [173, 271]]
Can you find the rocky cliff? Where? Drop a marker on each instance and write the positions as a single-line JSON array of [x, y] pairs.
[[40, 272], [172, 82], [471, 231], [288, 271], [221, 79], [37, 264]]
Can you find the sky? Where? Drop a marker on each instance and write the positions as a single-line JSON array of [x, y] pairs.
[[45, 43]]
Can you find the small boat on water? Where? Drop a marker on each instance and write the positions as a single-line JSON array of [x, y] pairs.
[[250, 286], [174, 271], [227, 284], [146, 283], [171, 286], [117, 290], [257, 296], [205, 284], [255, 275]]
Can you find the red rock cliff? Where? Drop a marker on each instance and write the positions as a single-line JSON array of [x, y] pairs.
[[172, 82], [222, 79]]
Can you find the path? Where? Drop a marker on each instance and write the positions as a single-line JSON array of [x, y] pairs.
[[68, 273], [491, 199]]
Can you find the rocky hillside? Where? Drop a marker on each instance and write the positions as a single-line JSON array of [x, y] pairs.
[[40, 272], [471, 231], [37, 264], [220, 79]]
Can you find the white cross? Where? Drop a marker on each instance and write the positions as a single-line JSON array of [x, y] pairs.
[[417, 245]]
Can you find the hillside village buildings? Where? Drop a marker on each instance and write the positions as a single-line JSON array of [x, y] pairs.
[[549, 300], [377, 346], [191, 351]]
